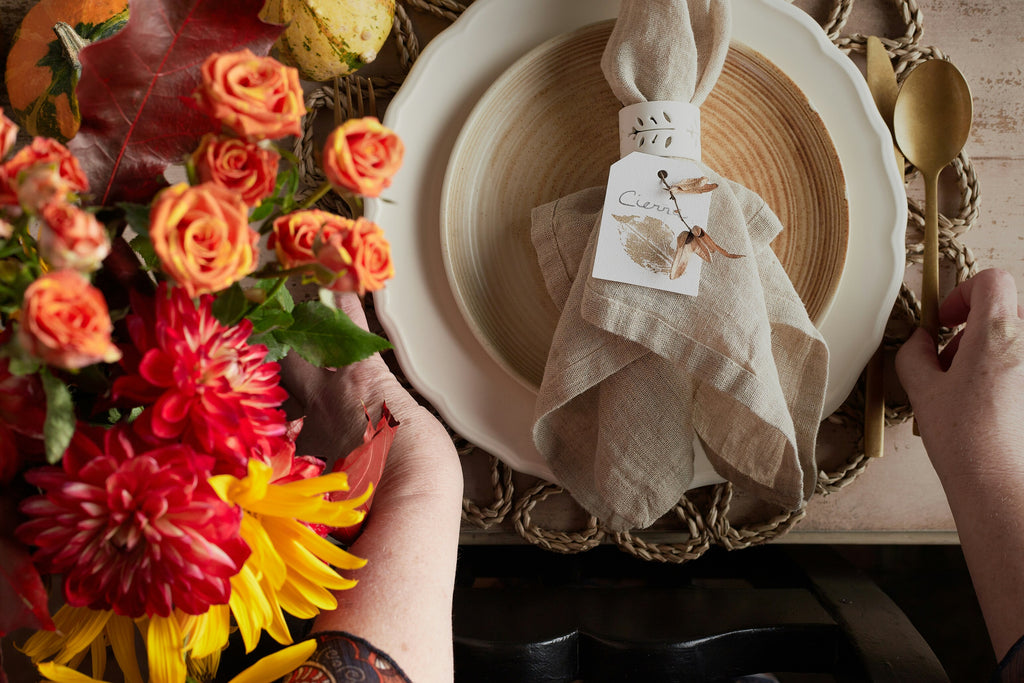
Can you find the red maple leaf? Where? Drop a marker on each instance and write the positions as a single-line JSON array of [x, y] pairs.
[[134, 86], [364, 466]]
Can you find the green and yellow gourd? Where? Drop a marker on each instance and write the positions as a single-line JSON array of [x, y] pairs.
[[43, 67], [328, 38]]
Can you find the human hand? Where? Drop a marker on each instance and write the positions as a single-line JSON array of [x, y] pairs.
[[422, 460], [969, 400], [403, 601]]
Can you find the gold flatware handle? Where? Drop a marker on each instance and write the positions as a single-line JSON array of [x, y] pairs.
[[874, 406], [882, 83]]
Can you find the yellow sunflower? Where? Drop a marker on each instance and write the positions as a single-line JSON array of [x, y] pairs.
[[290, 568]]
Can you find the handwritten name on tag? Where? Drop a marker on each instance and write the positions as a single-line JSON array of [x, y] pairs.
[[644, 226]]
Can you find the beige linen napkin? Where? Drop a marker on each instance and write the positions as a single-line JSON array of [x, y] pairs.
[[633, 373]]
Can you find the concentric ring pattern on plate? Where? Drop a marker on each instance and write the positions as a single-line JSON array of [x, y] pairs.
[[548, 127], [438, 350]]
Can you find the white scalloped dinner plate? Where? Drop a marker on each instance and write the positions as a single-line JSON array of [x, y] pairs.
[[436, 347]]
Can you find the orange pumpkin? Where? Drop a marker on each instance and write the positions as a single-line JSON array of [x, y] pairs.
[[43, 68]]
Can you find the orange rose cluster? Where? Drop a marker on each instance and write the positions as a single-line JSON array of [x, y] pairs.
[[202, 231], [205, 248], [348, 255], [64, 321]]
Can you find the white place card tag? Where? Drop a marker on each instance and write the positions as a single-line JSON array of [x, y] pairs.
[[643, 223]]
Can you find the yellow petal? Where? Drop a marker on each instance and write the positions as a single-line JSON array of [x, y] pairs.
[[243, 491], [264, 559], [277, 627], [279, 504], [164, 647], [281, 663], [294, 601], [222, 485], [98, 651], [315, 543], [210, 632], [59, 673], [317, 486], [313, 592], [302, 563], [249, 605], [42, 644], [121, 633], [83, 626]]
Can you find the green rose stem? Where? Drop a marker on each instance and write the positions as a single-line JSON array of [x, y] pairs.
[[353, 202], [320, 193]]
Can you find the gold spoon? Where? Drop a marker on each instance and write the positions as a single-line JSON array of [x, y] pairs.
[[931, 122]]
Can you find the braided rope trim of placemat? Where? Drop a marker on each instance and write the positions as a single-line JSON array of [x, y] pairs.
[[701, 518]]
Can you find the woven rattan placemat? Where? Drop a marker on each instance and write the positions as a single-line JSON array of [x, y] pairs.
[[499, 499]]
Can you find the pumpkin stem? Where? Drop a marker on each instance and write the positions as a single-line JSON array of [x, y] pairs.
[[72, 43]]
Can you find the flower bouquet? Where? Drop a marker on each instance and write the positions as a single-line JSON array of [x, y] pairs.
[[148, 470]]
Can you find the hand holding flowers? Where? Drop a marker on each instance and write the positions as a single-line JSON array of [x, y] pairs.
[[170, 458]]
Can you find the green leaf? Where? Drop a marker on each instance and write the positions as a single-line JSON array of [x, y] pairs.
[[262, 210], [22, 365], [277, 295], [267, 319], [230, 305], [328, 338], [289, 182], [59, 425], [143, 246], [275, 349], [137, 216]]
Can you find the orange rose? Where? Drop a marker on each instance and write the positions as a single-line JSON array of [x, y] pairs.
[[361, 155], [202, 237], [242, 166], [257, 97], [8, 134], [295, 235], [354, 251], [65, 322], [370, 255], [72, 238], [43, 172]]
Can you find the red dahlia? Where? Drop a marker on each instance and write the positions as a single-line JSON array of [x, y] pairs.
[[202, 382], [135, 531]]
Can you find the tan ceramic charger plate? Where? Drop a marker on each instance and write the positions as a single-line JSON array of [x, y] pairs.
[[548, 127]]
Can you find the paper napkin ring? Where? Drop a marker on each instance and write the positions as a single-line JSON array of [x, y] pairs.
[[666, 129]]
